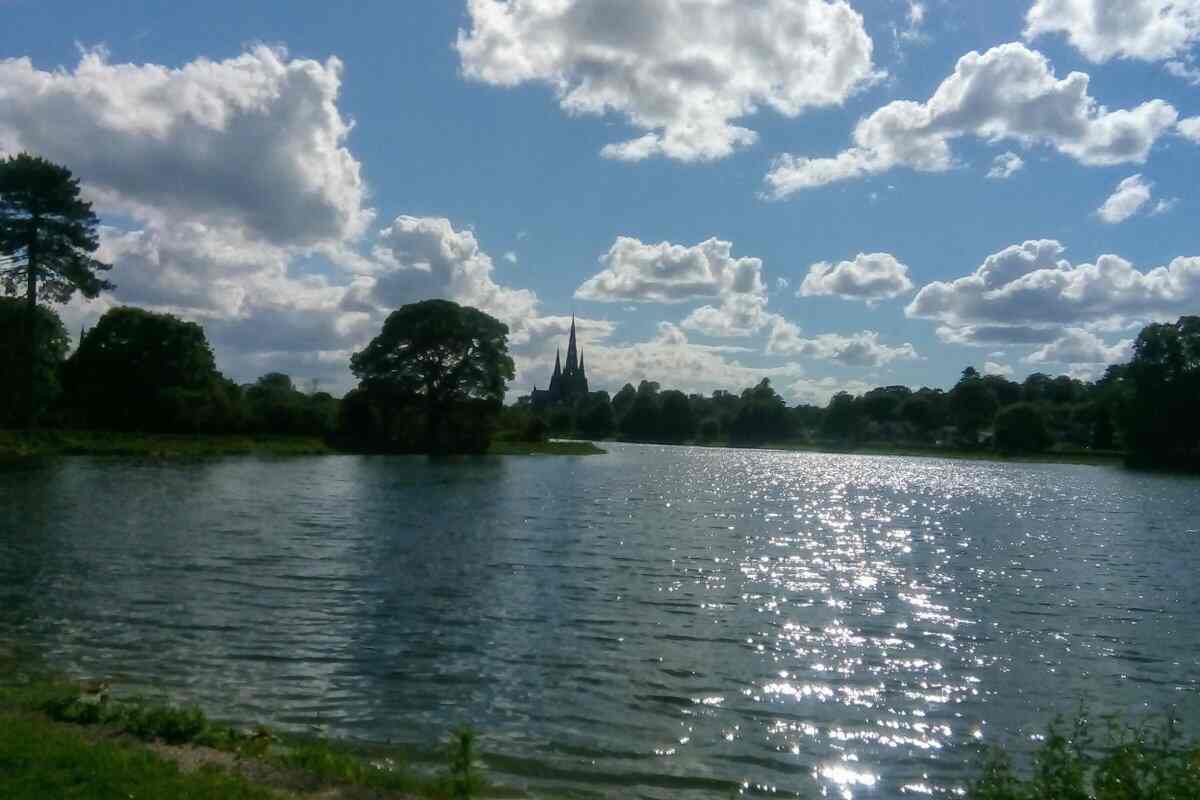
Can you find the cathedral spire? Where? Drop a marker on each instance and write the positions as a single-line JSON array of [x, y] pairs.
[[572, 351]]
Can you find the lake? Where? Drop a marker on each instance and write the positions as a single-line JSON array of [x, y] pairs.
[[658, 622]]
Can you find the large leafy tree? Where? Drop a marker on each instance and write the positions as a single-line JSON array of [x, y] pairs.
[[451, 360], [137, 370], [47, 241], [1160, 419]]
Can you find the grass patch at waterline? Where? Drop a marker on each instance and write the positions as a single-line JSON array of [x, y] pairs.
[[20, 444], [58, 739], [40, 759], [551, 448]]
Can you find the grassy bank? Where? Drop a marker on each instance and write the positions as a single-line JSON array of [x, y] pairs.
[[25, 444], [17, 444], [60, 740]]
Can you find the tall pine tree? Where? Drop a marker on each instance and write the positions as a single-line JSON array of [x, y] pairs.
[[47, 241]]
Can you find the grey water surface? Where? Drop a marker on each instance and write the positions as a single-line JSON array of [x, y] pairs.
[[658, 622]]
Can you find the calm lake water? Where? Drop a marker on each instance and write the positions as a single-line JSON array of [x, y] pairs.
[[659, 622]]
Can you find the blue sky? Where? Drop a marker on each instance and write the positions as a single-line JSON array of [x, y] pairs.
[[287, 174]]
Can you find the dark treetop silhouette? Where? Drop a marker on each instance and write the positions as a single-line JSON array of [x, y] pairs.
[[47, 238]]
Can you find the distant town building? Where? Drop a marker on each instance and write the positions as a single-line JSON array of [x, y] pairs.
[[568, 383]]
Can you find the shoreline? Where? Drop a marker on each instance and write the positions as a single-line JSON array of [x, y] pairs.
[[21, 445]]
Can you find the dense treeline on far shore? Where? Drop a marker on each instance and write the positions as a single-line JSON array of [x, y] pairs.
[[434, 379], [1144, 409]]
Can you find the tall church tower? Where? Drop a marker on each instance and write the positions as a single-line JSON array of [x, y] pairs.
[[569, 382]]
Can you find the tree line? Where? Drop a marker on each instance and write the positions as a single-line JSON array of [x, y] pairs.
[[1144, 408], [435, 377]]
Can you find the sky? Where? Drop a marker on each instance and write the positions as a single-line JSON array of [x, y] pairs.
[[834, 195]]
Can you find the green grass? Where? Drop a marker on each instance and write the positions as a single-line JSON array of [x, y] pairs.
[[556, 448], [20, 444], [59, 714], [41, 759]]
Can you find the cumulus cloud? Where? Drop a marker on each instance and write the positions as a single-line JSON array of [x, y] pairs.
[[861, 349], [870, 276], [1186, 70], [736, 315], [1164, 205], [1009, 93], [425, 257], [1005, 166], [1028, 290], [254, 142], [228, 175], [1077, 346], [682, 71], [673, 360], [1190, 129], [1147, 30], [818, 391], [1131, 194], [995, 368], [672, 273]]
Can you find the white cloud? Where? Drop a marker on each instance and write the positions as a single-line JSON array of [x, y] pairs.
[[1131, 194], [671, 273], [425, 257], [870, 276], [254, 142], [510, 257], [1186, 70], [1006, 165], [1164, 205], [782, 284], [1147, 30], [682, 71], [1077, 346], [737, 315], [861, 349], [994, 368], [1190, 129], [671, 359], [1030, 290], [1009, 93], [818, 391]]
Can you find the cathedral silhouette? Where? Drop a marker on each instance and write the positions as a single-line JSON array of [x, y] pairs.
[[566, 384]]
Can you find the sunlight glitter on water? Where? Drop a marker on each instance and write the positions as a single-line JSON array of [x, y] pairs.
[[658, 623]]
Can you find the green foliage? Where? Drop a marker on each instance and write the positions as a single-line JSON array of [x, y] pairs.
[[1134, 762], [761, 418], [47, 233], [972, 405], [676, 424], [843, 418], [596, 416], [1020, 428], [49, 345], [464, 782], [436, 365], [641, 421], [710, 430], [137, 370], [1160, 423]]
